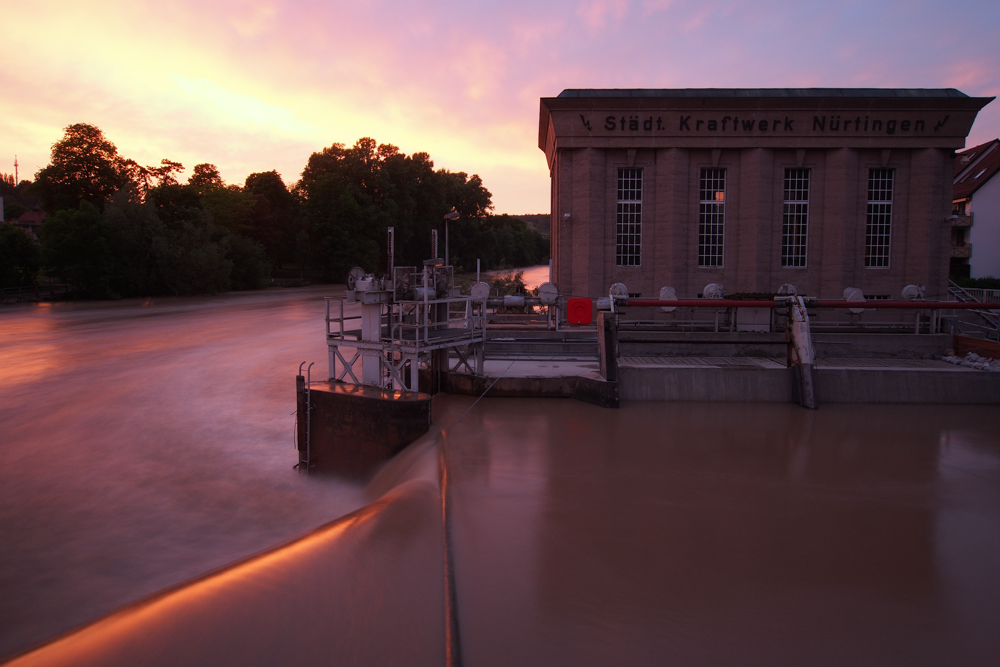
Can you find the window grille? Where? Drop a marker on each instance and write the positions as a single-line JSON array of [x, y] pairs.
[[711, 217], [628, 227], [879, 219], [795, 218]]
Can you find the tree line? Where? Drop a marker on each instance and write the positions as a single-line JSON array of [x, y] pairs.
[[116, 228]]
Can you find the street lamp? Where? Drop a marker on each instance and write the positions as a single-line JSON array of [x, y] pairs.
[[452, 215]]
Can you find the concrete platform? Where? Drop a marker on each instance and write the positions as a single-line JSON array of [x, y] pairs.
[[579, 379]]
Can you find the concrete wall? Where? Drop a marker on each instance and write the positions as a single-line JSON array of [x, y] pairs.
[[856, 385]]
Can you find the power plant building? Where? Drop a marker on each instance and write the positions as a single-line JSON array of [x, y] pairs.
[[752, 189]]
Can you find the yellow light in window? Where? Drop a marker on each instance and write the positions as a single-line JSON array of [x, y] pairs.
[[720, 196]]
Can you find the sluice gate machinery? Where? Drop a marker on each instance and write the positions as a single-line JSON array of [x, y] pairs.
[[417, 319], [411, 320]]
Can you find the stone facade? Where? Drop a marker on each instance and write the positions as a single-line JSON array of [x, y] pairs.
[[840, 136]]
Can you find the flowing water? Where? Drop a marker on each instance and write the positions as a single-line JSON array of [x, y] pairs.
[[144, 443]]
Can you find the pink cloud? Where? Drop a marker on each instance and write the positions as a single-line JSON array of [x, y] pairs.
[[273, 81]]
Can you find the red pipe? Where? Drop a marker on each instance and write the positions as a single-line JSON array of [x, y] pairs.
[[701, 303], [811, 303], [901, 305]]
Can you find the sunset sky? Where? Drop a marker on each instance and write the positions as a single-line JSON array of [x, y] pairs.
[[254, 85]]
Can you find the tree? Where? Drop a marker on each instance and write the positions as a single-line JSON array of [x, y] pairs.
[[206, 175], [76, 248], [19, 257], [85, 167], [249, 263], [274, 218], [13, 210], [390, 188], [151, 177], [141, 246], [336, 226]]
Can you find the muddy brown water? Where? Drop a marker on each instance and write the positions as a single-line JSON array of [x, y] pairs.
[[145, 443]]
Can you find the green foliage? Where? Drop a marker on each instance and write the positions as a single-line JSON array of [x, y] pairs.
[[13, 210], [388, 189], [497, 241], [76, 248], [511, 283], [20, 257], [249, 263], [142, 249], [17, 197], [199, 264], [130, 251], [121, 229], [508, 283], [230, 207], [337, 225], [274, 219], [988, 282]]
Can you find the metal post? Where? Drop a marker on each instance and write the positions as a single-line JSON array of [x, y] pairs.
[[446, 242], [801, 353], [392, 253], [309, 415], [434, 243], [426, 312]]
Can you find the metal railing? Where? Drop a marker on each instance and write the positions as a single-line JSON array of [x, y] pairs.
[[983, 295], [408, 332], [977, 321], [929, 314]]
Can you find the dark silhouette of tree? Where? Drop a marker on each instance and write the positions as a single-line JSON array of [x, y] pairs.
[[273, 222], [77, 249], [85, 167], [388, 188], [122, 229], [154, 177], [206, 175], [20, 257]]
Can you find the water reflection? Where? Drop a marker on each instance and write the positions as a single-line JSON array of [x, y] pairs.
[[718, 533]]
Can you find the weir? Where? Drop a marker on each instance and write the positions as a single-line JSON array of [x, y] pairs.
[[395, 342]]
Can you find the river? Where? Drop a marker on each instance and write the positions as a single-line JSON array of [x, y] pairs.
[[145, 443]]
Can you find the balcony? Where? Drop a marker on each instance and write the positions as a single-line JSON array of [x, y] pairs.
[[961, 250], [961, 220]]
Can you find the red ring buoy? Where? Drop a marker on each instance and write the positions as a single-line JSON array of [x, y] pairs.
[[579, 311]]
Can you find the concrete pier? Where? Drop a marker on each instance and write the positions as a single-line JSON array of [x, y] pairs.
[[747, 367], [350, 429]]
